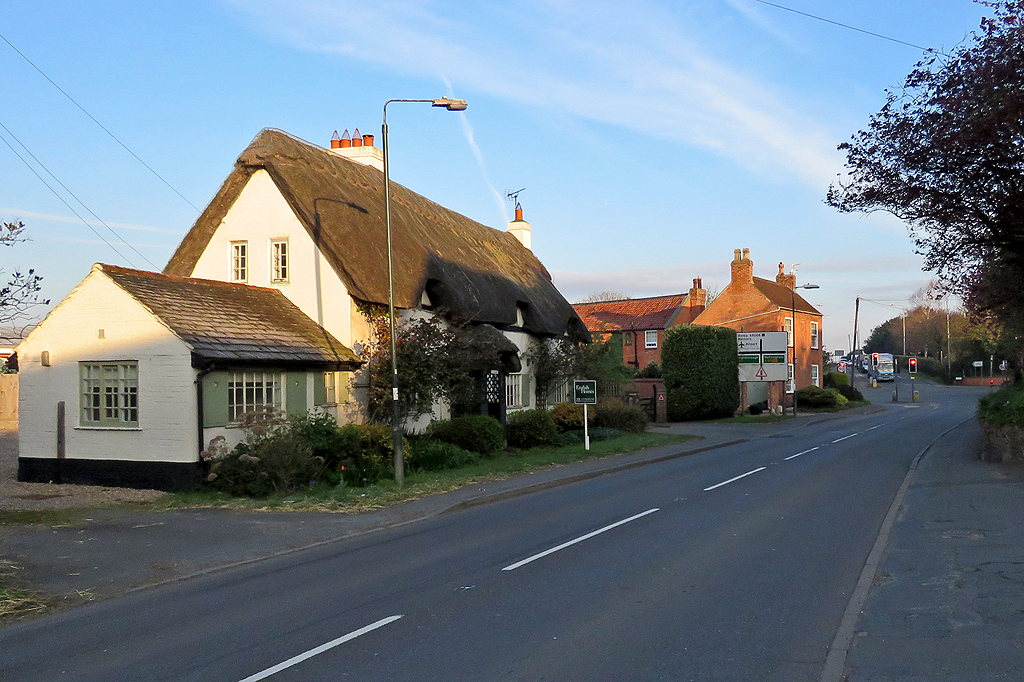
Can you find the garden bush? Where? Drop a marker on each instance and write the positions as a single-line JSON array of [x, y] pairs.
[[840, 398], [850, 393], [367, 454], [650, 371], [812, 396], [319, 429], [700, 366], [615, 414], [428, 454], [1004, 407], [836, 380], [476, 433], [569, 416], [531, 429], [277, 462]]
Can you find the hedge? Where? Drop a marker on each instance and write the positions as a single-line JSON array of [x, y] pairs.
[[700, 368]]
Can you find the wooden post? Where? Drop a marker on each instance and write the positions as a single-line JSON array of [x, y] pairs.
[[61, 447]]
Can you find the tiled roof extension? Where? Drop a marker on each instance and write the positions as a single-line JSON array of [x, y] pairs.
[[654, 312]]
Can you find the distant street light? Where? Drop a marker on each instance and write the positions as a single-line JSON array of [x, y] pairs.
[[793, 308], [396, 435]]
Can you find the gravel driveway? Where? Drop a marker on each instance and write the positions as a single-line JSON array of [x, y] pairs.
[[39, 496]]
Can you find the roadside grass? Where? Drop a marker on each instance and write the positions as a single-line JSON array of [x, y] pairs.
[[15, 601], [421, 483], [841, 408], [57, 518]]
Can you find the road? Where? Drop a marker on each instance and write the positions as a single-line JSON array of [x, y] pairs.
[[730, 564]]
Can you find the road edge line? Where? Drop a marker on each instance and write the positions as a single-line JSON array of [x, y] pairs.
[[835, 661]]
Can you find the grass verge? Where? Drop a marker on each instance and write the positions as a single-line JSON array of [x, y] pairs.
[[419, 483]]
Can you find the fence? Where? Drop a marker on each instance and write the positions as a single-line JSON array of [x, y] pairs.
[[8, 397]]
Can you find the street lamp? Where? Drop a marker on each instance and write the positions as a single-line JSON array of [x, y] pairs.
[[396, 431], [793, 309]]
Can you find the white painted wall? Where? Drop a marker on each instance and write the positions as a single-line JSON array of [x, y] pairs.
[[167, 398], [259, 215]]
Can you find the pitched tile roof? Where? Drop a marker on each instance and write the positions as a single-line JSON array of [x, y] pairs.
[[654, 312], [474, 271], [228, 322], [782, 296]]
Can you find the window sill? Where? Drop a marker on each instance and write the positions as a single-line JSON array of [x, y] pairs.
[[108, 428]]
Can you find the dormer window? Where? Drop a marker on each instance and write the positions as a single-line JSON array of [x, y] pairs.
[[425, 301], [519, 316]]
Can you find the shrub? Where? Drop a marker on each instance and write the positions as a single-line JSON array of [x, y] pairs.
[[428, 454], [700, 366], [275, 463], [615, 414], [531, 429], [1005, 407], [836, 380], [367, 454], [651, 371], [574, 437], [812, 396], [840, 398], [569, 416], [850, 393], [320, 431], [476, 433]]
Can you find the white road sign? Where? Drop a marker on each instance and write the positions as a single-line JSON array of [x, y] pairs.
[[762, 342]]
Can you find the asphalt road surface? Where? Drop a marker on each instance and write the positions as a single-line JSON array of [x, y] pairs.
[[731, 564]]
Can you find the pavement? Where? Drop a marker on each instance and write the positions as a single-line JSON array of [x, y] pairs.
[[945, 591]]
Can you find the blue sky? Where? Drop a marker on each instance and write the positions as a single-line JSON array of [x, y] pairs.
[[652, 138]]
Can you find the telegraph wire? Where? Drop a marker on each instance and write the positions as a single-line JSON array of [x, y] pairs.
[[852, 28], [63, 201], [102, 127]]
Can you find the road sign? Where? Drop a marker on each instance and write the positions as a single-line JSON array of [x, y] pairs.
[[762, 342], [761, 374], [762, 356], [978, 363], [584, 392]]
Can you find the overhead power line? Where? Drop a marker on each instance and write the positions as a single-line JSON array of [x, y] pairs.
[[64, 201], [102, 127], [852, 28]]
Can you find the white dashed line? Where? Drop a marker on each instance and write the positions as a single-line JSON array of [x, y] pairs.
[[320, 649], [579, 539], [845, 437], [802, 453], [735, 478]]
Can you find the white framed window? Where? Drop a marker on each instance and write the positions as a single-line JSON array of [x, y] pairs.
[[788, 327], [336, 391], [514, 390], [814, 334], [280, 265], [255, 390], [651, 339], [816, 375], [239, 261], [790, 382], [110, 393], [561, 394]]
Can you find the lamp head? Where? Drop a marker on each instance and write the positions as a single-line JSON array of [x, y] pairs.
[[449, 104]]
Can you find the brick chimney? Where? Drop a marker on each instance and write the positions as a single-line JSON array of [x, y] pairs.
[[698, 296], [358, 148], [520, 229], [742, 267], [788, 281]]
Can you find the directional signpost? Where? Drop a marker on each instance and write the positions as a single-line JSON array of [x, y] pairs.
[[584, 392], [763, 356]]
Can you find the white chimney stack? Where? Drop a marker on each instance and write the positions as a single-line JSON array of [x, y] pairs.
[[520, 229], [358, 148]]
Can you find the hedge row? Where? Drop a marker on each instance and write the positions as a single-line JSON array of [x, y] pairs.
[[699, 365]]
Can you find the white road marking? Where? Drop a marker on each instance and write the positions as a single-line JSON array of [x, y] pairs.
[[802, 453], [579, 539], [845, 437], [875, 427], [735, 478], [320, 649]]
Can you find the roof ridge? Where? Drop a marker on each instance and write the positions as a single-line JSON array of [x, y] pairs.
[[120, 269]]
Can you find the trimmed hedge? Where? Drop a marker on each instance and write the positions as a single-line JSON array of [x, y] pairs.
[[476, 433], [812, 396], [836, 380], [612, 413], [700, 367], [531, 429], [427, 454]]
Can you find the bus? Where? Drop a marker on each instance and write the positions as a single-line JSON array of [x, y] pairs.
[[883, 367]]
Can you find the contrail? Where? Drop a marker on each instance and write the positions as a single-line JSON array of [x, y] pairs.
[[467, 130]]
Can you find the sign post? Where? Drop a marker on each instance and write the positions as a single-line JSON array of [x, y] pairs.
[[584, 392], [762, 357]]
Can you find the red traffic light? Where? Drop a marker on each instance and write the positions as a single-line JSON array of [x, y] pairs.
[[991, 381], [913, 365]]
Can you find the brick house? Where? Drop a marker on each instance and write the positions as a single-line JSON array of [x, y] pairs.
[[753, 304], [639, 324]]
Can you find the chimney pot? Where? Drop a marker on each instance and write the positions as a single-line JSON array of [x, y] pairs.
[[367, 140], [735, 254], [335, 140], [746, 254], [346, 140], [357, 139], [519, 215]]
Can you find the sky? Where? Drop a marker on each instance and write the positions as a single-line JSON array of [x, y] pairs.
[[650, 138]]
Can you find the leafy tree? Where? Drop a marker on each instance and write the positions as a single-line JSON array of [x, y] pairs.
[[946, 154], [21, 291], [553, 361], [600, 296]]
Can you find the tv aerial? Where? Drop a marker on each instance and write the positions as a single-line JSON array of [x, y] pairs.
[[513, 196]]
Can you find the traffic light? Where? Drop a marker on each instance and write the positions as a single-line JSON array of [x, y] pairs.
[[913, 365], [874, 359]]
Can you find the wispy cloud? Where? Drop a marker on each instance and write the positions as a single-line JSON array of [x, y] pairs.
[[636, 67], [21, 214]]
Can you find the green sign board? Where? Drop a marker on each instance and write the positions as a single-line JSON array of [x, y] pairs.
[[750, 359], [774, 359], [584, 392]]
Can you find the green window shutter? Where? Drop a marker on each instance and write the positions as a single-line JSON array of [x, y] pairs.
[[215, 399]]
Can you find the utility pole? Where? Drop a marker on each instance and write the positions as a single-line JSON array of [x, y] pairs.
[[856, 317]]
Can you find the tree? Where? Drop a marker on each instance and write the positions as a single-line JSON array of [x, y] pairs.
[[554, 361], [21, 291], [946, 154], [600, 296]]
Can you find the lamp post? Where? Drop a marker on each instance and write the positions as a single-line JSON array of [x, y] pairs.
[[793, 309], [396, 431]]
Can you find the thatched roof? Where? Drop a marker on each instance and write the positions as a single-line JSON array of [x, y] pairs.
[[233, 323], [473, 271]]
